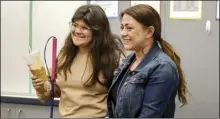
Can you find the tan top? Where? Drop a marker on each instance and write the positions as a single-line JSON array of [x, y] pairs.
[[77, 101]]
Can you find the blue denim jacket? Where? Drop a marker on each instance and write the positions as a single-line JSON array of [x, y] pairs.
[[150, 90]]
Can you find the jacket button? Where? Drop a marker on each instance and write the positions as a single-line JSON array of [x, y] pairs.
[[120, 99], [133, 79], [122, 65]]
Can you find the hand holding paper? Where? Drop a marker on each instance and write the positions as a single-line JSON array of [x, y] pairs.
[[36, 65]]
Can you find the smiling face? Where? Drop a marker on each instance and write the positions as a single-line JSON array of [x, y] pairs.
[[133, 33], [81, 33]]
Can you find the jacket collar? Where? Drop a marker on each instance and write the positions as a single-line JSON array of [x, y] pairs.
[[148, 57]]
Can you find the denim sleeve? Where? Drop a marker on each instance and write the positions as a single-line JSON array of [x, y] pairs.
[[158, 91]]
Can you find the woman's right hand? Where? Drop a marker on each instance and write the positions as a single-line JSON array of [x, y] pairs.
[[38, 84]]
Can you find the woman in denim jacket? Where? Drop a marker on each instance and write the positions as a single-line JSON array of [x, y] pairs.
[[147, 81]]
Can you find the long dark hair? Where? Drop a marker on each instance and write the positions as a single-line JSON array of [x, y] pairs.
[[106, 47], [148, 16]]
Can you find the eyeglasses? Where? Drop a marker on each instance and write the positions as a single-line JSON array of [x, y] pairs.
[[74, 26]]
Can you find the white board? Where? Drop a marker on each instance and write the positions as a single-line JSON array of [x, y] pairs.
[[14, 44], [47, 18]]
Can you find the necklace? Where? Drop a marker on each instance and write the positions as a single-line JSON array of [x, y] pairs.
[[85, 68]]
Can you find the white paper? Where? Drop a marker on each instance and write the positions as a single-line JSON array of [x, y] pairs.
[[110, 7], [154, 4], [217, 13], [186, 9]]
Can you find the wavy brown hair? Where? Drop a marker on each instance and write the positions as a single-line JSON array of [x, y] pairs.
[[106, 47], [148, 16]]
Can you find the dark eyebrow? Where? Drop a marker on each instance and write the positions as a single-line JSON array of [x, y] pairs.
[[75, 23], [82, 25], [127, 24]]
